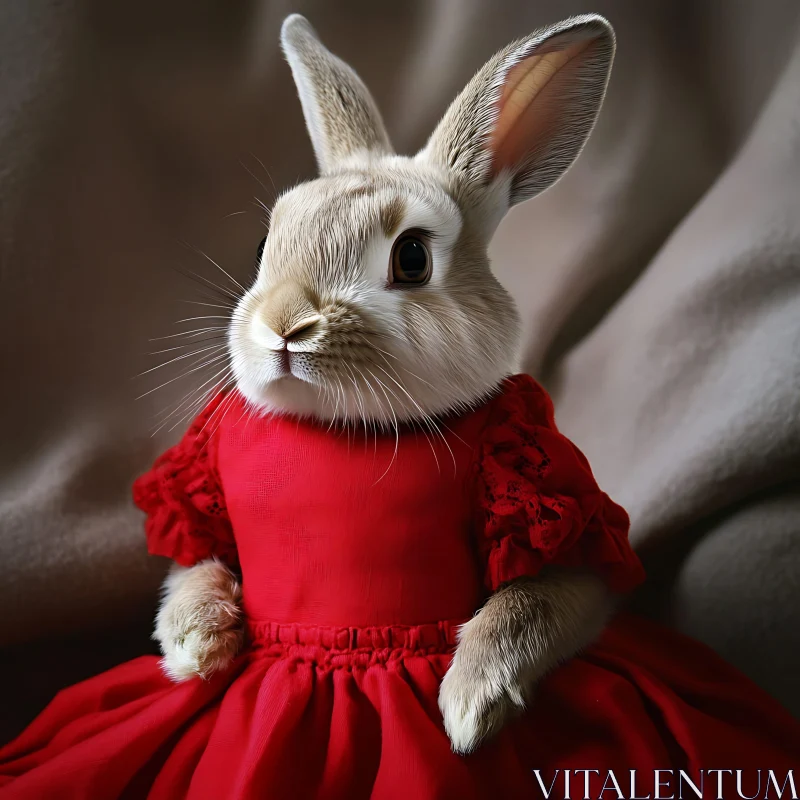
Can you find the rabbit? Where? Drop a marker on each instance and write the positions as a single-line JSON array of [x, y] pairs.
[[375, 304]]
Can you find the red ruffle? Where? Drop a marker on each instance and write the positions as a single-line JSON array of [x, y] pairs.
[[539, 500], [187, 519]]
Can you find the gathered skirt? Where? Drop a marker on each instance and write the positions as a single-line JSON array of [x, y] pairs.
[[352, 713]]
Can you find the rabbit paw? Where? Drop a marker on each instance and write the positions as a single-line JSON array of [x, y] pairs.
[[478, 695], [199, 623]]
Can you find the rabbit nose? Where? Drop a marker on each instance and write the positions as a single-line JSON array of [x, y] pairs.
[[290, 313], [294, 330]]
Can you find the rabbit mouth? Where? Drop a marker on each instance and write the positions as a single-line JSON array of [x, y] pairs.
[[288, 368], [284, 365]]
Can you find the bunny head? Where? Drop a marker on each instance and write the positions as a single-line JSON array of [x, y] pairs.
[[374, 299]]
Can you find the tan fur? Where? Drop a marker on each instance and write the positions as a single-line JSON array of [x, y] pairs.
[[346, 119], [392, 215], [199, 621], [323, 333], [525, 629], [378, 355], [288, 308], [568, 103]]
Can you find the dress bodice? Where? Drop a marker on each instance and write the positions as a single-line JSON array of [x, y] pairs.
[[342, 527]]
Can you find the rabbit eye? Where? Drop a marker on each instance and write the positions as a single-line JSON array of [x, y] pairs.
[[260, 251], [411, 261]]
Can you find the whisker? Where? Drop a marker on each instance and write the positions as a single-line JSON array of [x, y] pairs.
[[254, 177], [377, 405], [226, 406], [384, 354], [207, 283], [191, 344], [197, 398], [223, 271], [265, 170], [181, 358], [335, 410], [197, 332], [359, 401], [210, 305], [193, 319], [182, 375], [426, 418], [396, 427]]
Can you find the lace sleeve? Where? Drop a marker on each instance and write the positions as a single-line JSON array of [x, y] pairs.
[[538, 502], [187, 519]]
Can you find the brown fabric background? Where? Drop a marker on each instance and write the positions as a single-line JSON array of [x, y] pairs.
[[659, 283]]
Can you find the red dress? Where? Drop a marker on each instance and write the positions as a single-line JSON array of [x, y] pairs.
[[360, 555]]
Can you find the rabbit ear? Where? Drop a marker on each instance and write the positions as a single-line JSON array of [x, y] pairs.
[[528, 112], [341, 116]]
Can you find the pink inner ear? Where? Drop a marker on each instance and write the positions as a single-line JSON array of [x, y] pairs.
[[535, 93]]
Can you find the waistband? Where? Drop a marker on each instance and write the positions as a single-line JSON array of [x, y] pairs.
[[366, 645]]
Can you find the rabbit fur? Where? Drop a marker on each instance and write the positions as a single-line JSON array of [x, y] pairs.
[[322, 332]]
